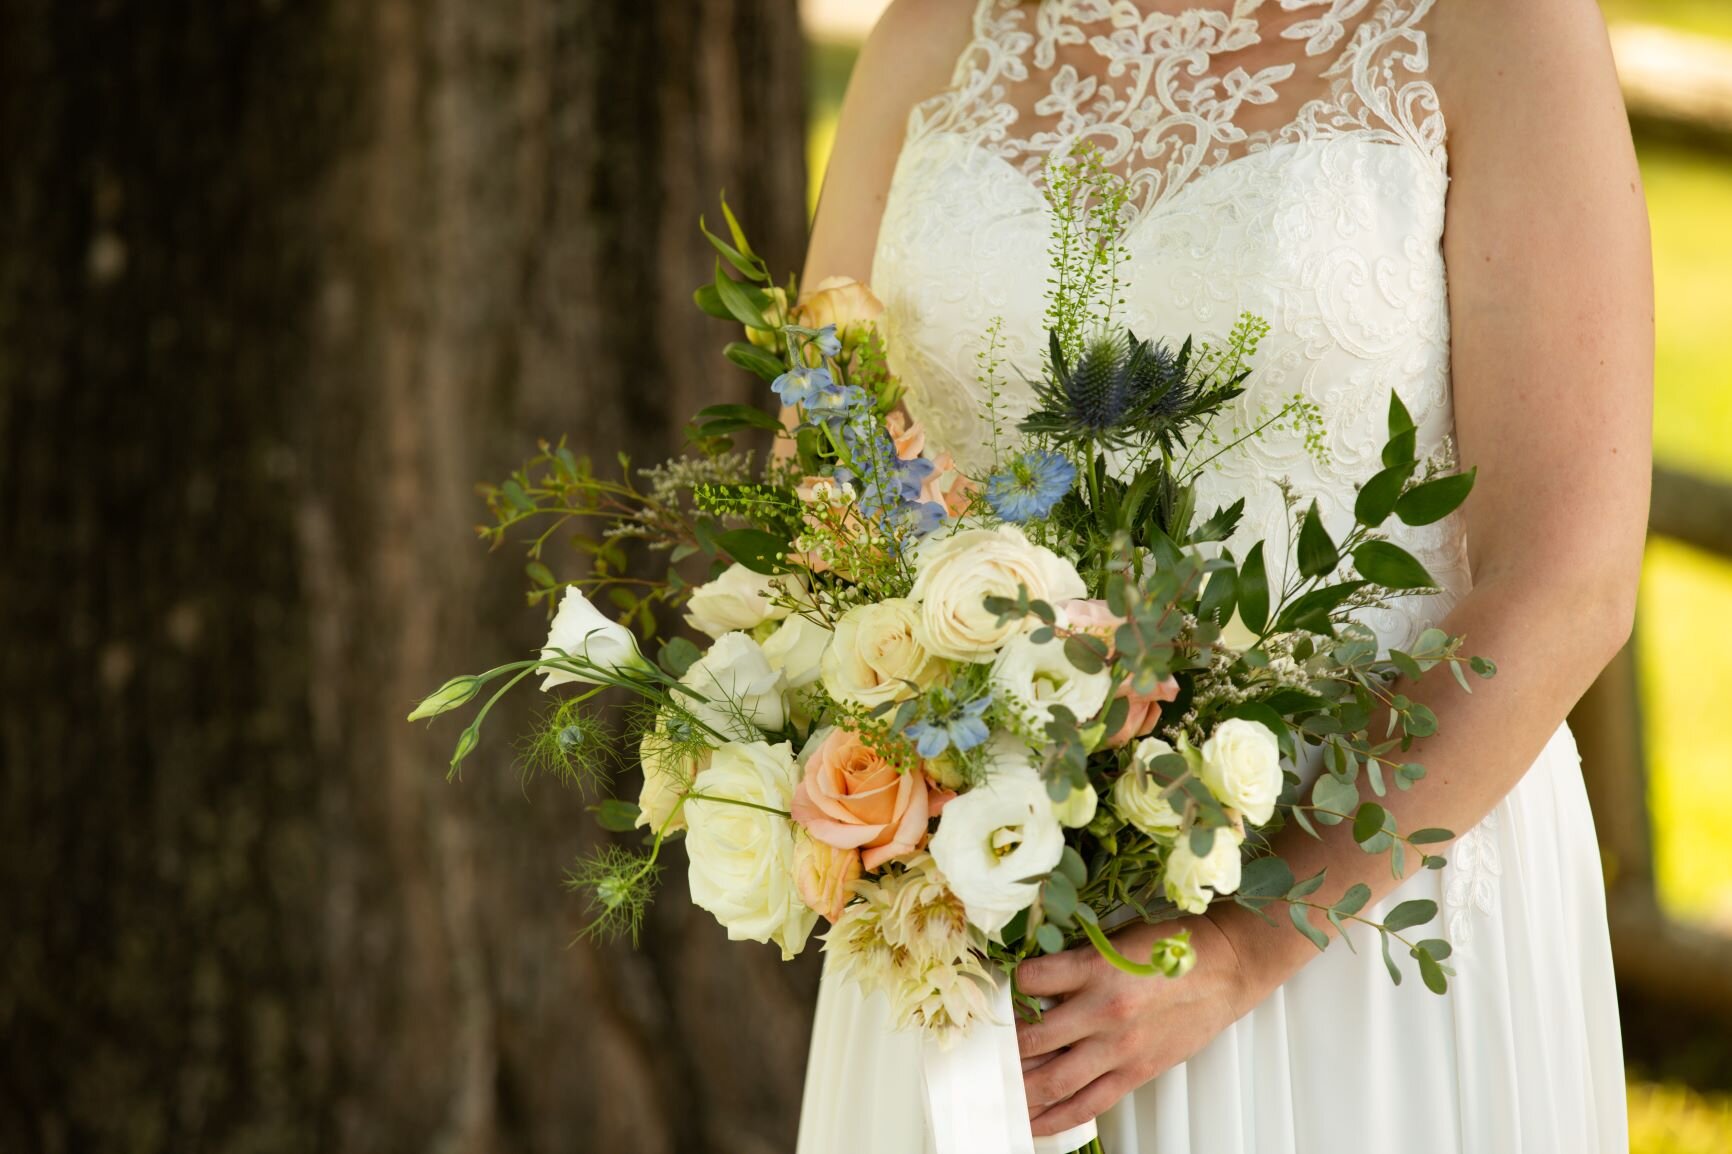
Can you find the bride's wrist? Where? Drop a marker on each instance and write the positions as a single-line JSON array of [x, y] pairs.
[[1264, 955]]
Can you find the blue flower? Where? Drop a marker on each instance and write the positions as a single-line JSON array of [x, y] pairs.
[[828, 343], [803, 386], [949, 724], [1030, 485]]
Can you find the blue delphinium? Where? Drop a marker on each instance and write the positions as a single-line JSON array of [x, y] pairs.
[[946, 723], [1030, 485]]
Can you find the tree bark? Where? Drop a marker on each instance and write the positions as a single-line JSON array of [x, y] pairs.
[[278, 282]]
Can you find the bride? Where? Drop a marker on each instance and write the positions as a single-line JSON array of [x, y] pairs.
[[1319, 163]]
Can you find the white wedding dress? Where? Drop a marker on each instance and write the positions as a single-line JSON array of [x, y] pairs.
[[1287, 158]]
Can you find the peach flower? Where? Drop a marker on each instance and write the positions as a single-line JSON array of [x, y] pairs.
[[843, 302], [1093, 617], [825, 875], [906, 433], [851, 798]]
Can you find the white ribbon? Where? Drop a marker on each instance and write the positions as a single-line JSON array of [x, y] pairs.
[[974, 1094]]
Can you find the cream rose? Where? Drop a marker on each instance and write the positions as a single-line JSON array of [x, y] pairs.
[[1140, 800], [955, 575], [1190, 879], [1242, 768], [875, 654], [824, 875], [1032, 678], [743, 858], [739, 599], [996, 836], [739, 690], [841, 301], [581, 632], [671, 762], [796, 651], [851, 798]]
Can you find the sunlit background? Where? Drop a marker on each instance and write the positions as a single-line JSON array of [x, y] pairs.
[[1676, 52]]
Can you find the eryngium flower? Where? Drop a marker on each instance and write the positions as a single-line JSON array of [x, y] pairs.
[[1120, 391], [1030, 485]]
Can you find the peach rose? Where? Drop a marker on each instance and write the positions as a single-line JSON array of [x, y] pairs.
[[851, 798], [1091, 616], [906, 434], [825, 875], [841, 301]]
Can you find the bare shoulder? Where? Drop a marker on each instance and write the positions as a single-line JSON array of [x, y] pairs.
[[909, 57]]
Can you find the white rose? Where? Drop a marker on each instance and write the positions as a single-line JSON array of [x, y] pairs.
[[1033, 678], [1242, 768], [1190, 878], [1140, 800], [737, 600], [742, 858], [1235, 634], [796, 649], [876, 652], [581, 632], [954, 575], [740, 692], [1079, 808], [996, 835], [670, 762]]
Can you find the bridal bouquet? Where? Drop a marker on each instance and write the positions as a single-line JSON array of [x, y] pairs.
[[961, 718]]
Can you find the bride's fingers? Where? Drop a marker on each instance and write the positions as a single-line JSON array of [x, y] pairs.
[[1092, 1101], [1065, 1023], [1036, 1061], [1065, 1075], [1056, 974]]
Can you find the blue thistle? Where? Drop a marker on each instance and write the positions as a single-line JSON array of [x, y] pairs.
[[1030, 485]]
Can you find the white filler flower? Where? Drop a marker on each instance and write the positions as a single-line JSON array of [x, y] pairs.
[[742, 858], [996, 835], [1242, 768], [581, 631]]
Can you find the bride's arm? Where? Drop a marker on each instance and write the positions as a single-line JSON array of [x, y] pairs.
[[1551, 300]]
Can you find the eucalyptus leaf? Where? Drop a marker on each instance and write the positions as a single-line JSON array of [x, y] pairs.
[[1302, 923], [1416, 912]]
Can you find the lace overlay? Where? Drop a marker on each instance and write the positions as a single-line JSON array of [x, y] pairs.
[[1286, 158]]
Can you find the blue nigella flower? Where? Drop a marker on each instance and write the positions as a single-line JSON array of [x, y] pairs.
[[949, 724], [1030, 485]]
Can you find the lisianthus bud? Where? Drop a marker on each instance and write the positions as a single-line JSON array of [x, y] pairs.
[[1174, 956], [447, 697]]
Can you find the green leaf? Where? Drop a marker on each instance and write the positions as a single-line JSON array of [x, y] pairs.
[[1332, 793], [1484, 666], [1431, 973], [1254, 590], [1220, 525], [735, 231], [710, 301], [1265, 877], [1410, 913], [1402, 437], [1434, 500], [1389, 565], [1436, 947], [1218, 597], [678, 655], [1313, 610], [1399, 420], [1309, 886], [1058, 897], [1049, 939], [741, 416], [1202, 840], [615, 815], [1368, 822], [1377, 497], [757, 550], [1071, 865], [1086, 652], [1317, 552], [1394, 973], [1352, 901], [747, 267], [755, 360], [738, 301], [1302, 923], [540, 574]]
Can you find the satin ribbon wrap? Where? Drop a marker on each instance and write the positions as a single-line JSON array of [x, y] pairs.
[[975, 1102]]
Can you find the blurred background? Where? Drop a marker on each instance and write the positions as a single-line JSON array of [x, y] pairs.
[[280, 280]]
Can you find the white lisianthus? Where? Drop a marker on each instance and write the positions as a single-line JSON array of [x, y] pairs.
[[737, 600], [1242, 768], [582, 632], [1079, 808], [955, 575], [741, 692], [1139, 798], [1032, 678], [996, 835], [796, 650], [876, 652], [1190, 878], [742, 858]]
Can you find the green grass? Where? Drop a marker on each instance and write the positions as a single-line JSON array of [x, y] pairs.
[[1709, 17], [1667, 1119]]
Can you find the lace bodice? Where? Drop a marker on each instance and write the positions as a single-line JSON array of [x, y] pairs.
[[1285, 158]]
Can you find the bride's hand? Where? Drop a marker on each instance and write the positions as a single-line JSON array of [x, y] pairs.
[[1114, 1031]]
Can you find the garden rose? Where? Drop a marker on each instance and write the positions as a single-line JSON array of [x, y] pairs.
[[997, 835], [1242, 768], [742, 858], [739, 599], [955, 575], [796, 650], [670, 765], [1145, 711], [824, 875], [876, 652], [841, 301], [1139, 798], [1190, 879], [851, 798]]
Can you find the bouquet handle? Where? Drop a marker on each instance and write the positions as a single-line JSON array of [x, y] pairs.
[[975, 1102]]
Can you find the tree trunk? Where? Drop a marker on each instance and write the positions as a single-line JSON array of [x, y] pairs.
[[278, 282]]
